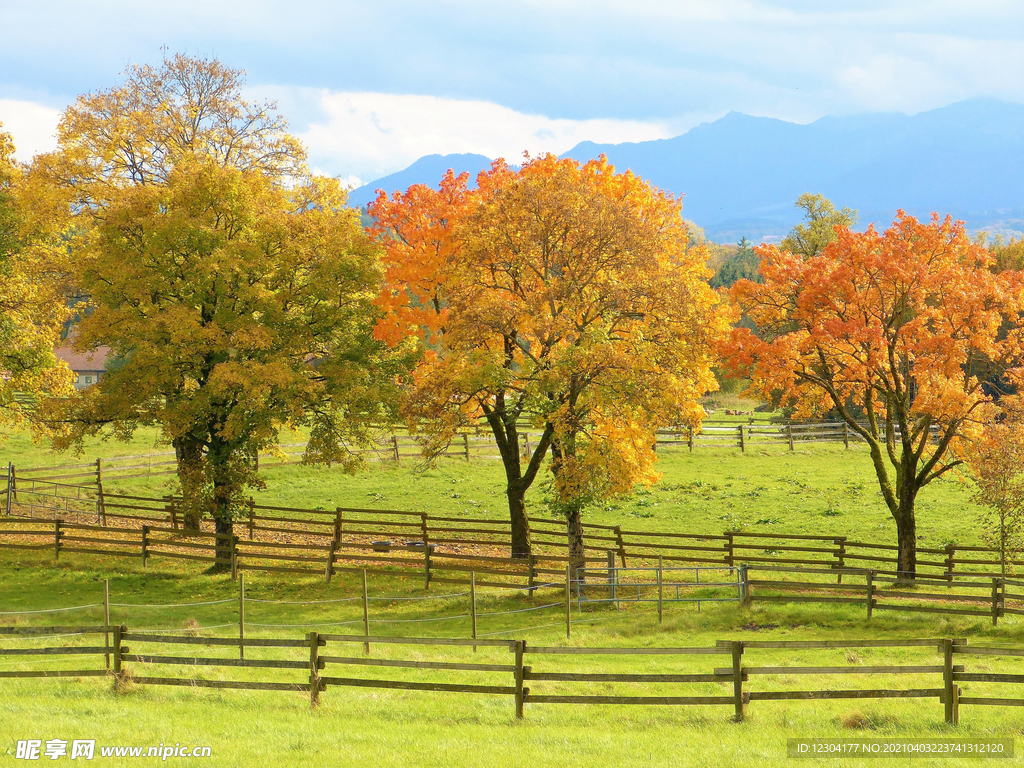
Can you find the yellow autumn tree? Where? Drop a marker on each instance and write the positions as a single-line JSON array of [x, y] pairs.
[[232, 286], [562, 296], [32, 309], [232, 306]]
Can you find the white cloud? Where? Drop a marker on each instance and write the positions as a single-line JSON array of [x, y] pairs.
[[368, 135], [32, 125]]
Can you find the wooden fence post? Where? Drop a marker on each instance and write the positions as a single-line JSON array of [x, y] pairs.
[[426, 566], [841, 554], [950, 563], [145, 544], [995, 601], [234, 557], [730, 555], [743, 446], [14, 484], [172, 511], [472, 603], [394, 443], [241, 615], [789, 431], [947, 678], [106, 620], [366, 615], [737, 678], [870, 579], [10, 488], [622, 545], [339, 522], [118, 631], [56, 540], [252, 517], [568, 602], [101, 505], [314, 668], [746, 595], [689, 438], [661, 585], [99, 471], [465, 441], [520, 649], [612, 577], [531, 576], [329, 567]]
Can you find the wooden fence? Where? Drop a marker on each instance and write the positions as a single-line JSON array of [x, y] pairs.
[[466, 445], [983, 597], [444, 548], [529, 674], [272, 538]]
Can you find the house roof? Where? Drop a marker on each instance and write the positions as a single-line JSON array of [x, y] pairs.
[[95, 360]]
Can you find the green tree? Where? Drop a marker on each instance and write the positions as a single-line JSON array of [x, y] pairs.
[[995, 460], [743, 265], [821, 217]]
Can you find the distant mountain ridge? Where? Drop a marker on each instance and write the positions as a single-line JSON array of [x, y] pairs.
[[740, 175], [429, 169]]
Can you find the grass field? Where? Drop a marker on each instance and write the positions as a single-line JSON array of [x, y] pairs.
[[820, 489]]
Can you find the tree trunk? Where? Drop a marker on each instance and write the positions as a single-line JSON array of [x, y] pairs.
[[518, 482], [574, 530], [520, 522], [224, 491], [225, 546], [189, 454], [906, 537]]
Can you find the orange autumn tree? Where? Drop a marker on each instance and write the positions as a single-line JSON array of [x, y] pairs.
[[897, 332], [559, 296]]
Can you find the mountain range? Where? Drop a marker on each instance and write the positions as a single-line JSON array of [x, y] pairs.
[[739, 176]]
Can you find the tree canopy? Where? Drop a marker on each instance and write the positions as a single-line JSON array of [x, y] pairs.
[[821, 217]]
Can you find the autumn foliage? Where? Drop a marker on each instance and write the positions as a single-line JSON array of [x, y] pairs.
[[559, 294], [897, 332]]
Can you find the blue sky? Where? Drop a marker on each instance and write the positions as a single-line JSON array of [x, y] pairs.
[[371, 86]]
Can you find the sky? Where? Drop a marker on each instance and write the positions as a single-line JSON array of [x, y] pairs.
[[372, 86]]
